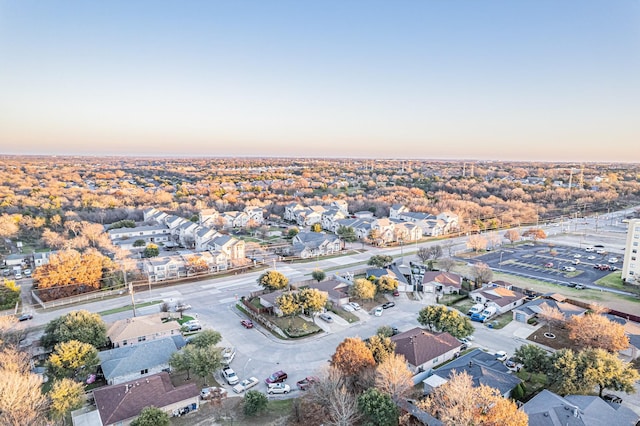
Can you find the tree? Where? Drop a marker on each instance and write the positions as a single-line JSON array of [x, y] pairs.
[[347, 234], [607, 371], [352, 356], [292, 232], [318, 275], [312, 300], [151, 250], [71, 358], [552, 315], [139, 243], [206, 338], [204, 361], [459, 402], [535, 233], [69, 268], [439, 318], [254, 402], [424, 254], [534, 359], [288, 304], [393, 377], [563, 374], [380, 260], [22, 403], [363, 289], [316, 227], [481, 273], [152, 416], [332, 401], [83, 326], [446, 264], [197, 264], [181, 361], [66, 396], [435, 252], [597, 331], [477, 242], [378, 407], [512, 235], [273, 280], [386, 283], [385, 331], [381, 347]]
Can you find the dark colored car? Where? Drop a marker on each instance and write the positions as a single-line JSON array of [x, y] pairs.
[[396, 293], [612, 398], [277, 377], [305, 383], [388, 305], [247, 323], [25, 317]]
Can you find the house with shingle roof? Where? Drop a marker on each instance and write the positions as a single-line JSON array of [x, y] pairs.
[[127, 363], [337, 291], [132, 331], [501, 298], [550, 409], [423, 349], [310, 244], [528, 310], [121, 404], [441, 282], [483, 368]]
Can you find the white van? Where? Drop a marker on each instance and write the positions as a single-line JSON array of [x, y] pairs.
[[476, 309], [227, 355]]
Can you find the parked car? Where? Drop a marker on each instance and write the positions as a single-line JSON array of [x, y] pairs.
[[613, 260], [394, 331], [25, 317], [396, 293], [194, 326], [576, 261], [466, 342], [569, 268], [307, 382], [247, 323], [182, 307], [388, 305], [592, 257], [548, 265], [501, 356], [228, 354], [278, 388], [577, 256], [580, 287], [512, 363], [246, 384], [355, 306], [600, 251], [347, 307], [590, 249], [378, 311], [277, 377], [230, 376], [612, 398], [326, 317], [27, 273]]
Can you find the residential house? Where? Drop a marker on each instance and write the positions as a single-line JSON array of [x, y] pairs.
[[310, 244], [363, 214], [125, 238], [441, 282], [203, 236], [423, 350], [392, 271], [450, 221], [153, 215], [341, 205], [132, 331], [187, 233], [384, 227], [361, 227], [550, 409], [291, 211], [164, 268], [208, 217], [309, 215], [528, 310], [120, 404], [268, 300], [337, 290], [501, 298], [231, 247], [235, 219], [483, 368], [255, 213], [127, 363], [41, 258], [396, 210], [330, 219], [406, 231]]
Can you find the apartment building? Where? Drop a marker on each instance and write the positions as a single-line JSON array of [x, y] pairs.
[[631, 265]]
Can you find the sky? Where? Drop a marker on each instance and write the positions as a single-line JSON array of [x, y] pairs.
[[480, 79]]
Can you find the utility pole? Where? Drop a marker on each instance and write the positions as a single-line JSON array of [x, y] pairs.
[[130, 285]]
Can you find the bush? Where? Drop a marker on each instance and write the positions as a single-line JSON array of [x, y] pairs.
[[254, 402]]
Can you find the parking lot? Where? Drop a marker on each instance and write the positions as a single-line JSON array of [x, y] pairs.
[[557, 264]]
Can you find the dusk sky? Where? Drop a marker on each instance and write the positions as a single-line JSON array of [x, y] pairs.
[[435, 79]]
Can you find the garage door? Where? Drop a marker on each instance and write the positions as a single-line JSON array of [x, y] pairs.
[[520, 317]]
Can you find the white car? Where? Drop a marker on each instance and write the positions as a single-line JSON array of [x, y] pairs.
[[613, 260], [501, 356], [378, 311], [355, 306], [592, 257], [230, 376], [278, 388], [577, 256], [347, 307], [569, 268], [246, 384]]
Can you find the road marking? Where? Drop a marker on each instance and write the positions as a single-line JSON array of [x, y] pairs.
[[227, 300], [171, 294]]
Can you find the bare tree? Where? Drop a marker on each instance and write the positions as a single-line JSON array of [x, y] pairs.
[[481, 273], [446, 264], [512, 235], [477, 242], [393, 377], [331, 393], [551, 315]]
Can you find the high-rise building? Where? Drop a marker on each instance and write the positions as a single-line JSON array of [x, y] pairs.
[[631, 265]]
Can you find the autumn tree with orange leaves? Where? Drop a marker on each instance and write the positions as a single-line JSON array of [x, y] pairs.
[[597, 331], [70, 272], [352, 356]]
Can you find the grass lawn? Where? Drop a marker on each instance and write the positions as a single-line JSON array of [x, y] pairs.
[[129, 307], [229, 412], [295, 326], [464, 305], [532, 387], [501, 320]]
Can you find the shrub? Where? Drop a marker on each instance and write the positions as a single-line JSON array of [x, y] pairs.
[[254, 402]]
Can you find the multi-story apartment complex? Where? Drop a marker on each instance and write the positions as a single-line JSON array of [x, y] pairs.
[[631, 265]]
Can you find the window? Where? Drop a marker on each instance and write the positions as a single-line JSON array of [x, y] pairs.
[[633, 258], [124, 343], [145, 371], [142, 338]]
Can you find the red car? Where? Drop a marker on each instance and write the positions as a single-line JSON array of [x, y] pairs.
[[277, 377], [305, 383], [247, 323]]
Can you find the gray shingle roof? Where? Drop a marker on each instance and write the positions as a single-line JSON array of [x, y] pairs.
[[125, 360]]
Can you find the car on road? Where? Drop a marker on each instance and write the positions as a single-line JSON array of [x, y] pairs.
[[247, 323], [326, 317], [354, 305], [378, 311], [182, 307], [307, 382], [394, 331], [277, 377], [230, 376], [501, 356], [278, 388], [246, 384], [580, 287], [465, 342], [548, 265], [192, 325], [590, 249], [347, 307], [388, 305], [25, 317]]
